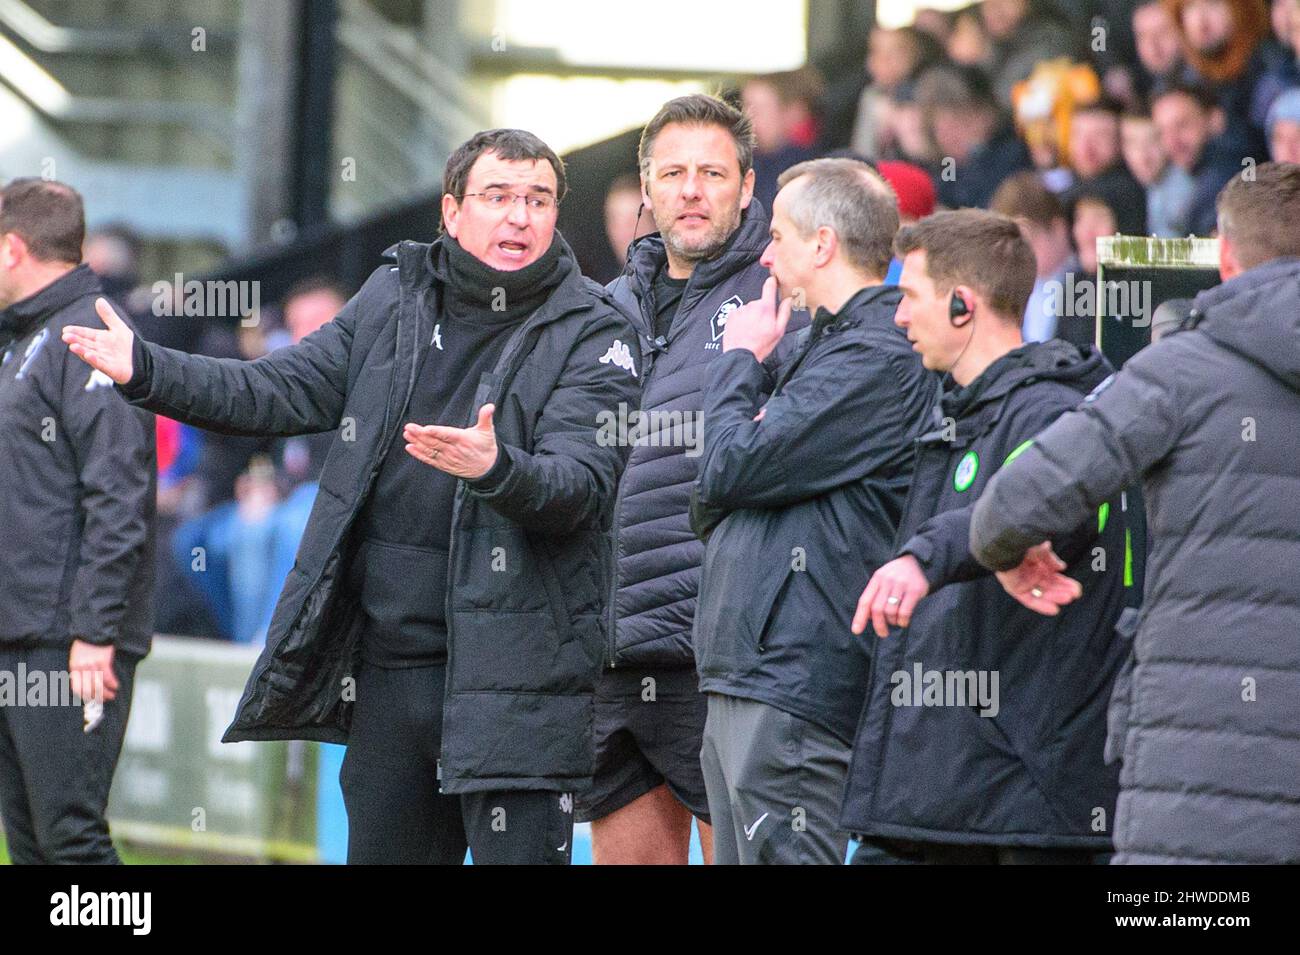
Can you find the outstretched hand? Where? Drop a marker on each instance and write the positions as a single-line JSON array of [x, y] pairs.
[[108, 350]]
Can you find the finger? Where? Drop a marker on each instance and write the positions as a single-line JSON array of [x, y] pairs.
[[911, 597], [110, 678], [485, 418], [783, 314], [879, 607], [864, 607], [769, 294], [109, 317]]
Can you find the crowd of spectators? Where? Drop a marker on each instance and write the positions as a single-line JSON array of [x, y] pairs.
[[1079, 120]]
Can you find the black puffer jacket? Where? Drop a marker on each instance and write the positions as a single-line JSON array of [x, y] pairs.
[[1017, 762], [658, 556], [78, 485], [529, 562], [1209, 419]]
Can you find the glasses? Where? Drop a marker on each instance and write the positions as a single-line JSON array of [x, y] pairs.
[[500, 200]]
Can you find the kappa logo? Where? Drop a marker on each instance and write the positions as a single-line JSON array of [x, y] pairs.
[[620, 355], [437, 337], [718, 323]]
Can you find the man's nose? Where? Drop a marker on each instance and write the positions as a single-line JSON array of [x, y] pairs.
[[519, 213], [766, 259], [691, 187]]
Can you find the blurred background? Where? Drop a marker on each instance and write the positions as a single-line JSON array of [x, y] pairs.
[[276, 148]]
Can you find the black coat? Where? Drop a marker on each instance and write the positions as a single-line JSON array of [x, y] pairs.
[[813, 494], [529, 564], [658, 556], [1030, 771], [1209, 419], [78, 488]]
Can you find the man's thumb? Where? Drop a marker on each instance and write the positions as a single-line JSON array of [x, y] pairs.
[[110, 318], [485, 418]]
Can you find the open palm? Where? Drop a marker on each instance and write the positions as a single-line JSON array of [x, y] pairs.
[[108, 350]]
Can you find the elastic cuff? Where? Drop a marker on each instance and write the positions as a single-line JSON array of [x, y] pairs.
[[496, 474]]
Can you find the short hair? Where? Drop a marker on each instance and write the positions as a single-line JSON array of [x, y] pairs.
[[700, 109], [1023, 195], [1198, 93], [804, 85], [1258, 216], [313, 284], [511, 145], [48, 215], [955, 88], [624, 182], [850, 197], [974, 247], [1102, 104]]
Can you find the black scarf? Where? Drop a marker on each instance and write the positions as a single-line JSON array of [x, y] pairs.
[[469, 287]]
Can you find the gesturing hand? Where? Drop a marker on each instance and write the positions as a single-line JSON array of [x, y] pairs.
[[462, 452], [758, 325], [891, 595], [1037, 582], [107, 350]]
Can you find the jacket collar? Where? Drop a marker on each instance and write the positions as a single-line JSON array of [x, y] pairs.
[[862, 306], [21, 317], [647, 257]]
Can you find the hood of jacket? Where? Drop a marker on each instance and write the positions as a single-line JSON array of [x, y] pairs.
[[1053, 360], [1257, 315]]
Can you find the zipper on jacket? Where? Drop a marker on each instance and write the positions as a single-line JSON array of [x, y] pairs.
[[658, 346]]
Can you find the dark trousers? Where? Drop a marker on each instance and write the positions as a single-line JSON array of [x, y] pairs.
[[55, 768], [903, 852], [396, 813]]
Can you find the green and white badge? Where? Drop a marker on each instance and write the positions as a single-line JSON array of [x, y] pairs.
[[967, 468]]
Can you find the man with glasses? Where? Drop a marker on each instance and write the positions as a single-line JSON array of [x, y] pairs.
[[444, 616]]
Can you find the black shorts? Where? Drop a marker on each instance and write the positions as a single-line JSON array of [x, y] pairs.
[[644, 739]]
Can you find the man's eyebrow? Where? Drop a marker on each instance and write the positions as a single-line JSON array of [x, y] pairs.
[[509, 185]]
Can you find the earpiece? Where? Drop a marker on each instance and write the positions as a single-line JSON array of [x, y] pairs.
[[957, 307]]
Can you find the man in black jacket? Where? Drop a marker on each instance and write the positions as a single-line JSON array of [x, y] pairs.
[[981, 738], [799, 495], [681, 283], [76, 571], [444, 617], [1207, 418]]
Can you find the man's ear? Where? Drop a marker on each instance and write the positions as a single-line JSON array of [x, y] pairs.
[[1229, 267], [450, 214], [15, 249], [747, 189], [828, 244]]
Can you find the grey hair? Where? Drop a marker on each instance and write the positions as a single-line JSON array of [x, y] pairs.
[[850, 198]]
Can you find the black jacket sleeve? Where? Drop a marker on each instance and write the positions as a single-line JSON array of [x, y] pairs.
[[1130, 422], [575, 465], [113, 448], [298, 389], [809, 441], [942, 544]]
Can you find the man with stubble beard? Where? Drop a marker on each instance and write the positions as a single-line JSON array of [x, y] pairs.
[[680, 284]]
